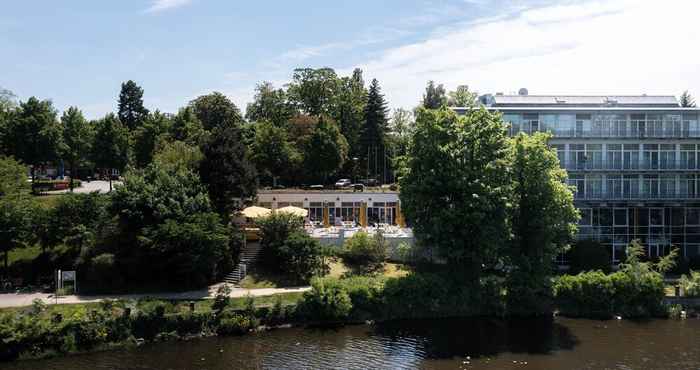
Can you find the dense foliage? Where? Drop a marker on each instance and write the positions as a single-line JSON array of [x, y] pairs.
[[588, 255], [365, 254], [288, 249]]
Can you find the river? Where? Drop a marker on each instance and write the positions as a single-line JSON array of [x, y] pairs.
[[424, 344]]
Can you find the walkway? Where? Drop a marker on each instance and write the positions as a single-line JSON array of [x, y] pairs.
[[25, 299], [88, 187]]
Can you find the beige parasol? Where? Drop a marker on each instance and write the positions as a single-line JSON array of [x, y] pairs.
[[255, 212], [301, 212]]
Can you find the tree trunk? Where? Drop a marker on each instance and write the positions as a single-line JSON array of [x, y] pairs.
[[110, 182]]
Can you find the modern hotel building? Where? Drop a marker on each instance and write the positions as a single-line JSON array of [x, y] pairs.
[[634, 161]]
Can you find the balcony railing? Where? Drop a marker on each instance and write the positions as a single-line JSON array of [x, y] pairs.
[[621, 131], [611, 195], [630, 165]]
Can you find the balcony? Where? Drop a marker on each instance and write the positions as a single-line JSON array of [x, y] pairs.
[[630, 165], [627, 130], [634, 195]]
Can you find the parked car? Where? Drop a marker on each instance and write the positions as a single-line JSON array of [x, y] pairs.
[[358, 187], [369, 182], [316, 187], [343, 183]]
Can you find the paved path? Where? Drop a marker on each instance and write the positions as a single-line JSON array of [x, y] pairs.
[[25, 299], [89, 187]]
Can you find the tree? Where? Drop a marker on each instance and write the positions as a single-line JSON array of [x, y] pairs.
[[326, 150], [147, 137], [400, 130], [34, 135], [589, 255], [314, 90], [543, 220], [15, 223], [178, 155], [454, 186], [13, 177], [461, 97], [270, 104], [187, 127], [373, 137], [350, 109], [77, 135], [110, 150], [216, 110], [434, 96], [226, 170], [274, 156], [132, 113], [687, 100], [364, 253]]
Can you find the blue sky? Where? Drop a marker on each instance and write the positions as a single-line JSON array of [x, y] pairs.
[[78, 52]]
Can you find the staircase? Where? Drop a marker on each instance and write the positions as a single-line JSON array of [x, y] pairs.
[[249, 255]]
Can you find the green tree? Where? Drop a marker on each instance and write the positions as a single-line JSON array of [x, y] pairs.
[[589, 255], [13, 176], [543, 220], [186, 127], [16, 210], [178, 155], [350, 109], [77, 135], [434, 96], [216, 110], [8, 108], [454, 187], [132, 113], [110, 149], [226, 170], [400, 130], [272, 152], [326, 150], [461, 97], [147, 137], [687, 100], [34, 134], [373, 139], [314, 90], [270, 104]]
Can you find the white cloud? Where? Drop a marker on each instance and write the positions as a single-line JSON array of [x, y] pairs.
[[161, 5], [611, 47]]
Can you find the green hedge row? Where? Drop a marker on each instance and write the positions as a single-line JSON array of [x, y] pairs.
[[597, 295]]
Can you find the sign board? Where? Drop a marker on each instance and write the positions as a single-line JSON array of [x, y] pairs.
[[68, 275]]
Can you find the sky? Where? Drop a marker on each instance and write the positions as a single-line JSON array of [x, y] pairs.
[[78, 52]]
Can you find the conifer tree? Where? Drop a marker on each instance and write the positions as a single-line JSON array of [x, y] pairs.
[[374, 131], [132, 113]]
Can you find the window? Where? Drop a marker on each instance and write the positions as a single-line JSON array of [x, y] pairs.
[[578, 181], [692, 216], [690, 125], [586, 217], [688, 157], [566, 125], [687, 186], [561, 153], [656, 217], [514, 121], [650, 186], [672, 125], [667, 156], [654, 125], [651, 156], [594, 156], [667, 186], [630, 156], [583, 125], [630, 186], [614, 187], [531, 122], [614, 157], [620, 216], [577, 156], [594, 186]]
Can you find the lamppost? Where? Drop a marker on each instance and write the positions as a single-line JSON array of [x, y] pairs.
[[354, 169]]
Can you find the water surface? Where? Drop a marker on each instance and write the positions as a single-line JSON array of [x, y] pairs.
[[424, 344]]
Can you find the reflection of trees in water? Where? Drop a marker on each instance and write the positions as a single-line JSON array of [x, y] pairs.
[[447, 338]]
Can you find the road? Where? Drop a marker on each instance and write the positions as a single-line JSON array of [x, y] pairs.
[[25, 299]]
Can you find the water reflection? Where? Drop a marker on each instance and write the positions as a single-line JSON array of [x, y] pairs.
[[441, 339], [419, 344]]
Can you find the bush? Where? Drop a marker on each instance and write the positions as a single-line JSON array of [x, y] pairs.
[[597, 295], [287, 248], [328, 300], [589, 255], [365, 254], [690, 284], [234, 325], [222, 298]]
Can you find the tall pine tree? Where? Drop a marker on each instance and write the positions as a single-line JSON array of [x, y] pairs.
[[434, 96], [349, 112], [372, 138], [132, 113]]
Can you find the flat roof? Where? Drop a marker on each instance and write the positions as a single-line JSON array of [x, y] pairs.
[[589, 109], [587, 100]]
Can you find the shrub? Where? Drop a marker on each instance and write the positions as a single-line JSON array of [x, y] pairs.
[[365, 254], [589, 255], [234, 325], [326, 301], [690, 284], [222, 298]]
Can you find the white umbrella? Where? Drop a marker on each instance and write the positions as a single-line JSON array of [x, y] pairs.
[[301, 212], [255, 212]]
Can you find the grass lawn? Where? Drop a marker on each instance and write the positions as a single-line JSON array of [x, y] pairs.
[[48, 201], [260, 278], [176, 306]]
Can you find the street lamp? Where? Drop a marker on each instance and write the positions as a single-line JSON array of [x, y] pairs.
[[354, 169]]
